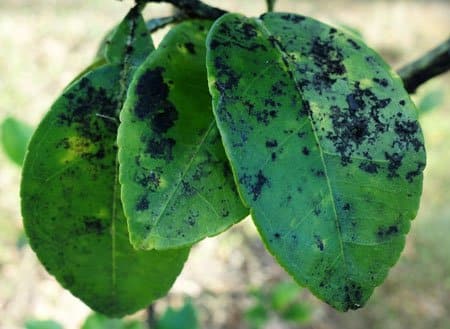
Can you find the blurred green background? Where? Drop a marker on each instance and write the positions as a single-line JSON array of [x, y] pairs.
[[231, 279]]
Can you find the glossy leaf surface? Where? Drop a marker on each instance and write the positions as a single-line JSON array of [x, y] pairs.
[[325, 146], [72, 209], [14, 137], [177, 186]]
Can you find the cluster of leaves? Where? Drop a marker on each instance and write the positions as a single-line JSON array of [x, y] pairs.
[[149, 151]]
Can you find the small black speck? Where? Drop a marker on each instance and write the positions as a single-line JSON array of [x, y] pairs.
[[382, 82], [191, 221], [384, 232], [249, 30], [353, 44], [369, 167], [271, 143], [94, 225], [142, 204], [317, 210], [319, 173], [190, 48], [319, 242], [293, 18]]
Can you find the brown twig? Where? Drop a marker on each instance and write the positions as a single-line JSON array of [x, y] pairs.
[[192, 8], [155, 24], [431, 64], [151, 319], [270, 5]]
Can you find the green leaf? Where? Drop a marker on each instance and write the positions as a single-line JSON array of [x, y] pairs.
[[101, 48], [71, 203], [130, 43], [351, 30], [284, 294], [183, 318], [99, 321], [129, 39], [256, 316], [42, 324], [297, 312], [431, 101], [95, 65], [14, 136], [325, 147], [22, 240], [127, 45], [177, 187]]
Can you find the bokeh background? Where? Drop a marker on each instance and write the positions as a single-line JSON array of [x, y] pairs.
[[45, 43]]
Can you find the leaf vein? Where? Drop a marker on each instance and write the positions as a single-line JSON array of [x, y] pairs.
[[288, 67], [185, 171]]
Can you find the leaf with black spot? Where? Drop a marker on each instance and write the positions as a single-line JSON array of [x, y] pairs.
[[72, 208], [99, 62], [325, 145], [177, 186], [127, 45], [104, 41], [129, 42]]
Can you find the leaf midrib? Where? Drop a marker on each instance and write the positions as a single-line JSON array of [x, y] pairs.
[[125, 69], [268, 34], [113, 226], [185, 172]]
